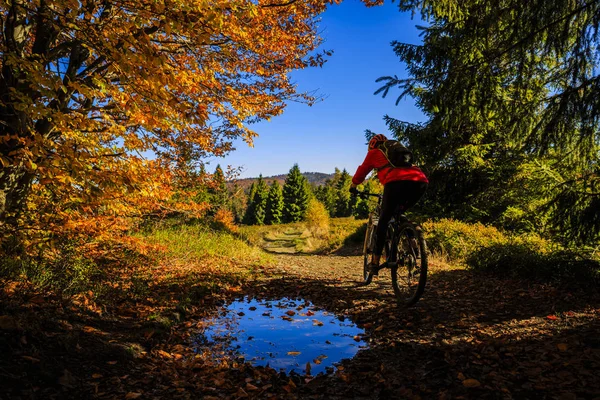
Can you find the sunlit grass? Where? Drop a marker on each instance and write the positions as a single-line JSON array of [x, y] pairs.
[[198, 243]]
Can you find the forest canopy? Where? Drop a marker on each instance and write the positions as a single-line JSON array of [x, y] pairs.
[[105, 106]]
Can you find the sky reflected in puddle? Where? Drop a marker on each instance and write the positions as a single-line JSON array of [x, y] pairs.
[[284, 334]]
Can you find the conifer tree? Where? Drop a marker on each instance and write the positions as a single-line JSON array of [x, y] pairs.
[[295, 196], [218, 189], [260, 201], [326, 195], [250, 214], [508, 90], [274, 204], [343, 201]]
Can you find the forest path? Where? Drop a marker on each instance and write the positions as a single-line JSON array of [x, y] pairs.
[[471, 335]]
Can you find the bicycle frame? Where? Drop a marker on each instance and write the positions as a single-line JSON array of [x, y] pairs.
[[407, 260]]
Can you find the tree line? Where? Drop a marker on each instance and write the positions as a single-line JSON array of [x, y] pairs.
[[271, 203]]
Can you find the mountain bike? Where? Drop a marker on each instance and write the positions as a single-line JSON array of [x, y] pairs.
[[405, 253]]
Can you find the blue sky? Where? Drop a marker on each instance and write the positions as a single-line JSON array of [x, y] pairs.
[[330, 134]]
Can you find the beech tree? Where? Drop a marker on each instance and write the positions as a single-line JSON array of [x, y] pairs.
[[89, 88]]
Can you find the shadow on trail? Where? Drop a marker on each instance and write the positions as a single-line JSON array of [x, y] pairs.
[[471, 335]]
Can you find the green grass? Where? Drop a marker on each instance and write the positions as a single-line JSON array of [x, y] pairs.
[[195, 243], [342, 232]]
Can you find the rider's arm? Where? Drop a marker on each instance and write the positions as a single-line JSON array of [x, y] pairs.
[[366, 167]]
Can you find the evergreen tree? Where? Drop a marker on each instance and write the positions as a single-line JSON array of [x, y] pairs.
[[274, 204], [250, 214], [295, 196], [218, 189], [260, 201], [326, 195], [507, 90], [237, 202], [343, 200]]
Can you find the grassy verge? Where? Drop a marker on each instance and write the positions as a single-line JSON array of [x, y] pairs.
[[300, 238]]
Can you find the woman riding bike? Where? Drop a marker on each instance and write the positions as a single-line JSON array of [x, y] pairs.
[[403, 186]]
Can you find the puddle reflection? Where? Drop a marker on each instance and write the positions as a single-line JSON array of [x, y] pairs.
[[284, 334]]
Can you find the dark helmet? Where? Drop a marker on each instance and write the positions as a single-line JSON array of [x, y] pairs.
[[376, 141]]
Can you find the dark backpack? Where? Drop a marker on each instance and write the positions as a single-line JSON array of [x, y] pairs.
[[396, 154]]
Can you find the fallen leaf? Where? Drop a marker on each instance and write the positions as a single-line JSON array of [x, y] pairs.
[[290, 313], [308, 368], [97, 376], [164, 354], [294, 353], [552, 317], [562, 346], [132, 395], [471, 383]]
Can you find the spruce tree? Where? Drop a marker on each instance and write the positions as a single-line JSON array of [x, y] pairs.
[[218, 189], [326, 195], [295, 196], [511, 94], [343, 200], [274, 204], [260, 201], [250, 214]]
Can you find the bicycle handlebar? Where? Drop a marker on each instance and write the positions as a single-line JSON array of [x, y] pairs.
[[356, 192]]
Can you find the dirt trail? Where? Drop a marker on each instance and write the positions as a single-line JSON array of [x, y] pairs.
[[471, 336]]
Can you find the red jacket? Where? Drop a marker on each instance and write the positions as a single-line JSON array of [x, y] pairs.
[[376, 159]]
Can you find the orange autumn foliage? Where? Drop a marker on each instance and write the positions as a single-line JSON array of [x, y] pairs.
[[104, 106]]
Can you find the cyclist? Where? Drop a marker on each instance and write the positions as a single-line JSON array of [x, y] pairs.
[[402, 187]]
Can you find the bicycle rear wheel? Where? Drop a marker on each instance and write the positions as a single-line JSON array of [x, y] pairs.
[[409, 275], [367, 250]]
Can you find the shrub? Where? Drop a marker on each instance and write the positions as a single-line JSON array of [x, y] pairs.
[[317, 218], [520, 258], [456, 240], [224, 220]]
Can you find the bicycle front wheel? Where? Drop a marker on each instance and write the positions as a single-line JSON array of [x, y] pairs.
[[409, 276], [367, 250]]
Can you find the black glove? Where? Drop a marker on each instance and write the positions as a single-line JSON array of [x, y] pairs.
[[353, 190]]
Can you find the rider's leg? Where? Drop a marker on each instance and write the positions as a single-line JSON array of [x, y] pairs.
[[388, 204], [404, 193]]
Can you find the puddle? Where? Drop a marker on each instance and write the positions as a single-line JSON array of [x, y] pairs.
[[285, 334]]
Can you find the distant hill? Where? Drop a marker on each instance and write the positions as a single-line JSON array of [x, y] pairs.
[[314, 178]]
